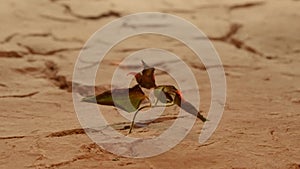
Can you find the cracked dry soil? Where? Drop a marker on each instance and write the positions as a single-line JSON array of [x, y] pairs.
[[257, 40]]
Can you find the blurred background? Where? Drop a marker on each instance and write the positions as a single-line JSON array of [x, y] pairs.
[[258, 42]]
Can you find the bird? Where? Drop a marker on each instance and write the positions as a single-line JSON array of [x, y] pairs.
[[119, 98], [145, 78], [171, 95], [166, 94]]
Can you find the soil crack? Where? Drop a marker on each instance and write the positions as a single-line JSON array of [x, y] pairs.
[[239, 44], [67, 132], [51, 52], [51, 72], [11, 137], [59, 164], [10, 54], [109, 13], [245, 5], [20, 95], [8, 38]]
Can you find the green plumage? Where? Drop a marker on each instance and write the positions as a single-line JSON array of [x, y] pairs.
[[126, 99]]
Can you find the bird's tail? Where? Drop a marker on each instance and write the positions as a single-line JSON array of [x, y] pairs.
[[202, 118], [89, 99], [188, 107]]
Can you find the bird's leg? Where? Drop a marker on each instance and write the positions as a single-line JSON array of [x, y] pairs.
[[147, 106], [164, 105], [170, 104], [132, 123], [155, 103], [149, 101]]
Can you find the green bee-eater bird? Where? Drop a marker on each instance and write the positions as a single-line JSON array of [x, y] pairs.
[[145, 78], [131, 99], [120, 99]]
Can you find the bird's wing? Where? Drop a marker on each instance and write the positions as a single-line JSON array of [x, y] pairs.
[[126, 99], [135, 95], [104, 98]]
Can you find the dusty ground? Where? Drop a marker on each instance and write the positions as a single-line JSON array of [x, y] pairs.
[[258, 42]]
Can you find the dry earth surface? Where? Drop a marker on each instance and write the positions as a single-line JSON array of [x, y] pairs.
[[259, 45]]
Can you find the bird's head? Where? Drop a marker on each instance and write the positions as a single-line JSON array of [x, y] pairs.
[[136, 75]]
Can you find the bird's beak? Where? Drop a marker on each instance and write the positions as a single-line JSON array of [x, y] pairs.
[[132, 73]]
